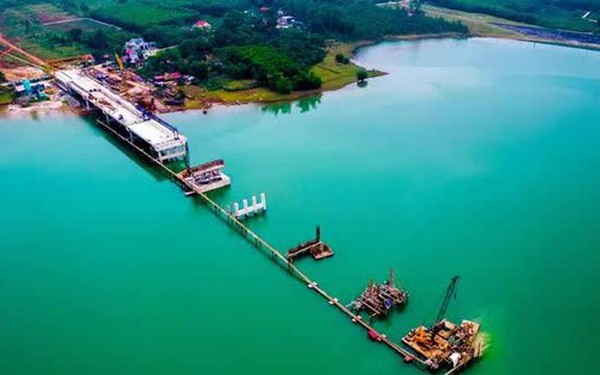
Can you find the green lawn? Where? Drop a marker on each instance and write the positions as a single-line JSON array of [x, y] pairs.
[[5, 97], [87, 26], [141, 16], [336, 75]]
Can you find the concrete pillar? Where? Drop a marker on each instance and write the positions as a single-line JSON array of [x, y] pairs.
[[254, 203], [263, 200], [245, 205]]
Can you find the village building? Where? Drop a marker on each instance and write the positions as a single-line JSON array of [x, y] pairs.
[[137, 50], [202, 24], [285, 22]]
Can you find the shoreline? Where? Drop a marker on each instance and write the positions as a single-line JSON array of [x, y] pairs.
[[61, 106]]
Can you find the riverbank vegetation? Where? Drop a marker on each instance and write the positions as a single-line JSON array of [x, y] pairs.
[[6, 96], [559, 14], [280, 45]]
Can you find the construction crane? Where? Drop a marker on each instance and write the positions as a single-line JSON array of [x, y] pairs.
[[450, 293], [120, 62], [124, 75]]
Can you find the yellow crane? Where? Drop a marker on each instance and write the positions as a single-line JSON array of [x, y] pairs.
[[124, 76], [119, 62]]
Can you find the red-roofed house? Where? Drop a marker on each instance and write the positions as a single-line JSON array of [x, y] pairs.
[[202, 24]]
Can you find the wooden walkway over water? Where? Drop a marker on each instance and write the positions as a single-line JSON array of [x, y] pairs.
[[261, 244]]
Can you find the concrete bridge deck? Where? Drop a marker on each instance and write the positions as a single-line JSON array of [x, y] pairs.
[[163, 139]]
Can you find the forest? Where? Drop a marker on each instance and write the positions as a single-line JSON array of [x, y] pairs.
[[247, 45], [244, 41]]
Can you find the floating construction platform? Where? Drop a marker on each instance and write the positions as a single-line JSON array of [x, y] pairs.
[[379, 299], [445, 344], [205, 177], [317, 248]]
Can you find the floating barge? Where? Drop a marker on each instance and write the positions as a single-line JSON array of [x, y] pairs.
[[317, 248], [205, 177], [379, 299], [446, 344]]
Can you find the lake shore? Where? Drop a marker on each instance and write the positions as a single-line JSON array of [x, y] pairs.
[[335, 75], [486, 26]]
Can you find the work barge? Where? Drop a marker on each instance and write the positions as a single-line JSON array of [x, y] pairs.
[[378, 299], [445, 344], [162, 143], [317, 248]]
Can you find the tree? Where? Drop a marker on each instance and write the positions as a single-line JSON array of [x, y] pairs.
[[99, 40], [75, 34], [361, 75], [2, 77], [281, 84], [198, 70], [306, 80], [341, 58], [415, 6]]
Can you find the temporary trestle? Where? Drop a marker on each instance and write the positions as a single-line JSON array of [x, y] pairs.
[[205, 177], [317, 248], [379, 299], [257, 207], [198, 178], [282, 260]]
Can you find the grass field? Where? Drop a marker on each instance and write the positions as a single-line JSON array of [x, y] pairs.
[[336, 75], [45, 12], [5, 97], [85, 25], [478, 24], [333, 75], [559, 14], [141, 16], [24, 25]]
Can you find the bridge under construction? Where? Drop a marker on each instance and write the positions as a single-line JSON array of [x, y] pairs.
[[159, 142]]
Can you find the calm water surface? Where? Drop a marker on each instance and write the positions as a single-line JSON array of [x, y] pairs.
[[479, 158]]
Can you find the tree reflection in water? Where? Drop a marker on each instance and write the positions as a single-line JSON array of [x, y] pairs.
[[304, 105]]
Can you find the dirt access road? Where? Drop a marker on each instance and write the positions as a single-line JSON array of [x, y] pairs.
[[32, 58]]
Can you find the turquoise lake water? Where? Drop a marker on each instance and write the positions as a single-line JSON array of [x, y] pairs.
[[476, 157]]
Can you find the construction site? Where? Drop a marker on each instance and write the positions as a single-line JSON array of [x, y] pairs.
[[30, 79], [123, 105]]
